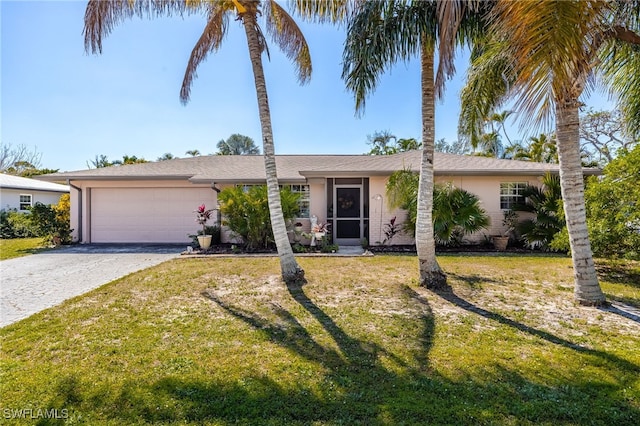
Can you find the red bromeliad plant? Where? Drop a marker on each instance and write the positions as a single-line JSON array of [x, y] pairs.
[[202, 216]]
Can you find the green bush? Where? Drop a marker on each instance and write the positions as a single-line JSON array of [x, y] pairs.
[[613, 207], [53, 222], [548, 217], [456, 212], [246, 213], [16, 225]]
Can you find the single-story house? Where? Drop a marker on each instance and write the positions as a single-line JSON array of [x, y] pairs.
[[154, 202], [19, 193]]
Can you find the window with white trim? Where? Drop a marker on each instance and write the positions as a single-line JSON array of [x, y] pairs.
[[511, 194], [304, 202], [26, 201], [305, 198]]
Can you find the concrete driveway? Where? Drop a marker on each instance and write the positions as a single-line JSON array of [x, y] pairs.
[[32, 283]]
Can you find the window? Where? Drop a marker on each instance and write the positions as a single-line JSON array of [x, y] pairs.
[[511, 193], [305, 197], [25, 202]]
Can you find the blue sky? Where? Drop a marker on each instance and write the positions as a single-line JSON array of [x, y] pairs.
[[72, 106]]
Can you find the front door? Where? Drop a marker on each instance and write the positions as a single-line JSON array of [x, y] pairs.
[[348, 215]]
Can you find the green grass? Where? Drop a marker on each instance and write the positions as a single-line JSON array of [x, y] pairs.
[[223, 341], [19, 247]]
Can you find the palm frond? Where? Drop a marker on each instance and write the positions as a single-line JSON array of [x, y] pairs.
[[551, 45], [334, 11], [488, 83], [288, 36], [450, 15], [378, 35], [101, 16], [402, 188], [620, 67], [210, 41]]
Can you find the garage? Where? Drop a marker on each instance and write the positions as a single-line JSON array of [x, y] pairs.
[[146, 215]]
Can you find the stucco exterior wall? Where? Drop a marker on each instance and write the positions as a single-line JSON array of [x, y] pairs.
[[487, 188], [10, 198], [81, 219]]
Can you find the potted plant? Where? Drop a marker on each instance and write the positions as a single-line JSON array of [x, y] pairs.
[[202, 216], [297, 227], [510, 220]]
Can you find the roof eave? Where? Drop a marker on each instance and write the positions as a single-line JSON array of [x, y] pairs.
[[28, 188], [60, 178]]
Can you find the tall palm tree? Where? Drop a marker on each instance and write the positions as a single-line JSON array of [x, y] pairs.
[[384, 32], [546, 54], [101, 16]]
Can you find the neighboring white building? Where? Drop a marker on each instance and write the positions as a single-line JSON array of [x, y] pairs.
[[154, 202], [18, 193]]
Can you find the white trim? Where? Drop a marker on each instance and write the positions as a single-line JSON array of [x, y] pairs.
[[20, 202]]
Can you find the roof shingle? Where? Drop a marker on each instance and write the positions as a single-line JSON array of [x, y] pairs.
[[292, 168]]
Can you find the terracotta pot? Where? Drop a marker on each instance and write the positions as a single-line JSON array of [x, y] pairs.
[[500, 243]]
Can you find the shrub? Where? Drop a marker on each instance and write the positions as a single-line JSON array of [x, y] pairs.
[[548, 218], [613, 207], [16, 225], [53, 222], [246, 213], [456, 212]]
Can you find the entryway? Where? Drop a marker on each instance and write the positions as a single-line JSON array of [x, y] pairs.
[[348, 210]]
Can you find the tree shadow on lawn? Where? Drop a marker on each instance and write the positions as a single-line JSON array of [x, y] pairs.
[[454, 299], [365, 384], [619, 273]]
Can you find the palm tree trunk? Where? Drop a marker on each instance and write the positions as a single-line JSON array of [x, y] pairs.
[[587, 289], [431, 276], [291, 271]]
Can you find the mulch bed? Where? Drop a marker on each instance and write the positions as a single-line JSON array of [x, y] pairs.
[[394, 249]]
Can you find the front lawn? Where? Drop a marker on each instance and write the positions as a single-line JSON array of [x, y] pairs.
[[224, 341], [19, 247]]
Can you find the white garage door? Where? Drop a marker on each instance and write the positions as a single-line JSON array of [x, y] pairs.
[[146, 215]]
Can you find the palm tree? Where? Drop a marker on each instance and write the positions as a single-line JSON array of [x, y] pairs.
[[101, 16], [384, 32], [456, 212], [546, 54], [541, 149], [545, 206], [238, 144]]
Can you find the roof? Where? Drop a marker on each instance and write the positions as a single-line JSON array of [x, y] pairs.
[[17, 182], [296, 168]]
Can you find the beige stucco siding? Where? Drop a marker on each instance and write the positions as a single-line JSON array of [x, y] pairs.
[[162, 210], [487, 188], [140, 211]]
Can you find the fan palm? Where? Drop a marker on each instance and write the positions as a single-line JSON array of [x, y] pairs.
[[546, 54], [101, 16], [382, 33], [545, 203], [456, 212]]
